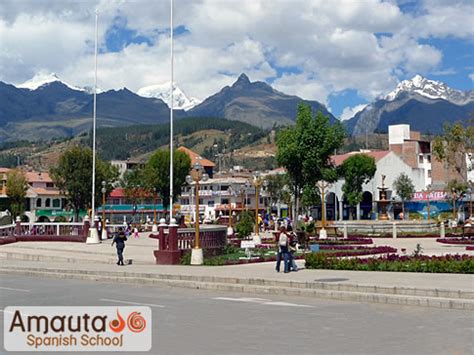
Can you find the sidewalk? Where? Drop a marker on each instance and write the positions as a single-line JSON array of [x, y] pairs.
[[97, 262]]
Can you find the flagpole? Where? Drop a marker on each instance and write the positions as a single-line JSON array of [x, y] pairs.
[[171, 112], [93, 237]]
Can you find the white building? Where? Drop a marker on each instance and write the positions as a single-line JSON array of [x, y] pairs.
[[389, 164]]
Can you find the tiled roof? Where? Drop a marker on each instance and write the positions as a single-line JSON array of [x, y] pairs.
[[34, 176], [377, 155], [195, 157]]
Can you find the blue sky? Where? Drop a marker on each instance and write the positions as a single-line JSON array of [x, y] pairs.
[[342, 53]]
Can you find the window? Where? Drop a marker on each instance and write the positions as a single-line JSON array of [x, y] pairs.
[[49, 184], [429, 173], [38, 202], [201, 201], [116, 201], [224, 201], [210, 203], [47, 203], [56, 203], [420, 159], [224, 187], [261, 200], [429, 158]]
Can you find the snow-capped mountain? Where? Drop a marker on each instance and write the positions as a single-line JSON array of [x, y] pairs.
[[431, 89], [43, 78], [162, 91], [423, 103]]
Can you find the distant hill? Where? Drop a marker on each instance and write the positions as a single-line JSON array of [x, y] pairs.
[[255, 103], [422, 103], [46, 107]]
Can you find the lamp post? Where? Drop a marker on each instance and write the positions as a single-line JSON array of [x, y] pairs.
[[197, 175], [453, 190], [322, 185], [471, 217], [230, 230], [104, 231], [154, 228], [257, 182]]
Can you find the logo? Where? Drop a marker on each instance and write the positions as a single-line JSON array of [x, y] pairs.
[[77, 329]]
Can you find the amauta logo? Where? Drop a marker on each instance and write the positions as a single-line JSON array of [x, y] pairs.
[[118, 324], [77, 328], [135, 322]]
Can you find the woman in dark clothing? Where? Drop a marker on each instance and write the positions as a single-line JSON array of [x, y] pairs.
[[119, 240]]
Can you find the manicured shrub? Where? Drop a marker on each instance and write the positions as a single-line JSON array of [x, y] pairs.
[[431, 264]]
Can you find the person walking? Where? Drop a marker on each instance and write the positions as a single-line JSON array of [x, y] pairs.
[[119, 240], [282, 250]]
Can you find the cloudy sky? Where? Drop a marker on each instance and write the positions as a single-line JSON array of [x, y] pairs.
[[343, 53]]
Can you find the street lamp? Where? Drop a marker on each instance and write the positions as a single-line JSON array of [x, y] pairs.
[[257, 182], [322, 185], [104, 231], [230, 230], [197, 175], [471, 217], [453, 190], [154, 228]]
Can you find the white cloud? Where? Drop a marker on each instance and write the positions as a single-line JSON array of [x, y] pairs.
[[349, 112], [333, 46], [471, 76]]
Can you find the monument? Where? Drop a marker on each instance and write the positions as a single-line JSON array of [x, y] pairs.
[[383, 202]]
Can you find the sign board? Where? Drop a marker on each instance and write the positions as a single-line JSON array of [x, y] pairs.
[[432, 196], [314, 248], [247, 244]]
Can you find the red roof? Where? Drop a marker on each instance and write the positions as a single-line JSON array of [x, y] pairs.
[[117, 193], [377, 155], [34, 176], [195, 157]]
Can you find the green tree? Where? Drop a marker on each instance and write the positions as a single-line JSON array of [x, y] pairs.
[[356, 170], [305, 150], [157, 173], [246, 224], [134, 184], [452, 147], [404, 188], [17, 186], [456, 190], [73, 176]]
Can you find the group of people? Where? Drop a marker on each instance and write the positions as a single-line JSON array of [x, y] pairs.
[[287, 245]]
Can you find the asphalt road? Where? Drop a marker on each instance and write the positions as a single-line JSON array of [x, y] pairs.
[[201, 322]]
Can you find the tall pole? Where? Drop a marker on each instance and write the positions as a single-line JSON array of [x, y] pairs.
[[198, 240], [171, 111], [256, 209], [93, 237], [94, 117]]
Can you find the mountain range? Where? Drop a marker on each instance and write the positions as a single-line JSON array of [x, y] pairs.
[[46, 107], [424, 104]]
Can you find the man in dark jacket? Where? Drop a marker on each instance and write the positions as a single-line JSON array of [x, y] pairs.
[[119, 240]]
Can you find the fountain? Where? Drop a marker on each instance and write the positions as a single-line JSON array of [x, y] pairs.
[[383, 202]]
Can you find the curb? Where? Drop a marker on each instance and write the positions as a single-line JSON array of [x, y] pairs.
[[355, 293]]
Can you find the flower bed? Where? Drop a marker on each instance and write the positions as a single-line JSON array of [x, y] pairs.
[[461, 241], [330, 252], [346, 241], [470, 247], [461, 264], [424, 235]]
